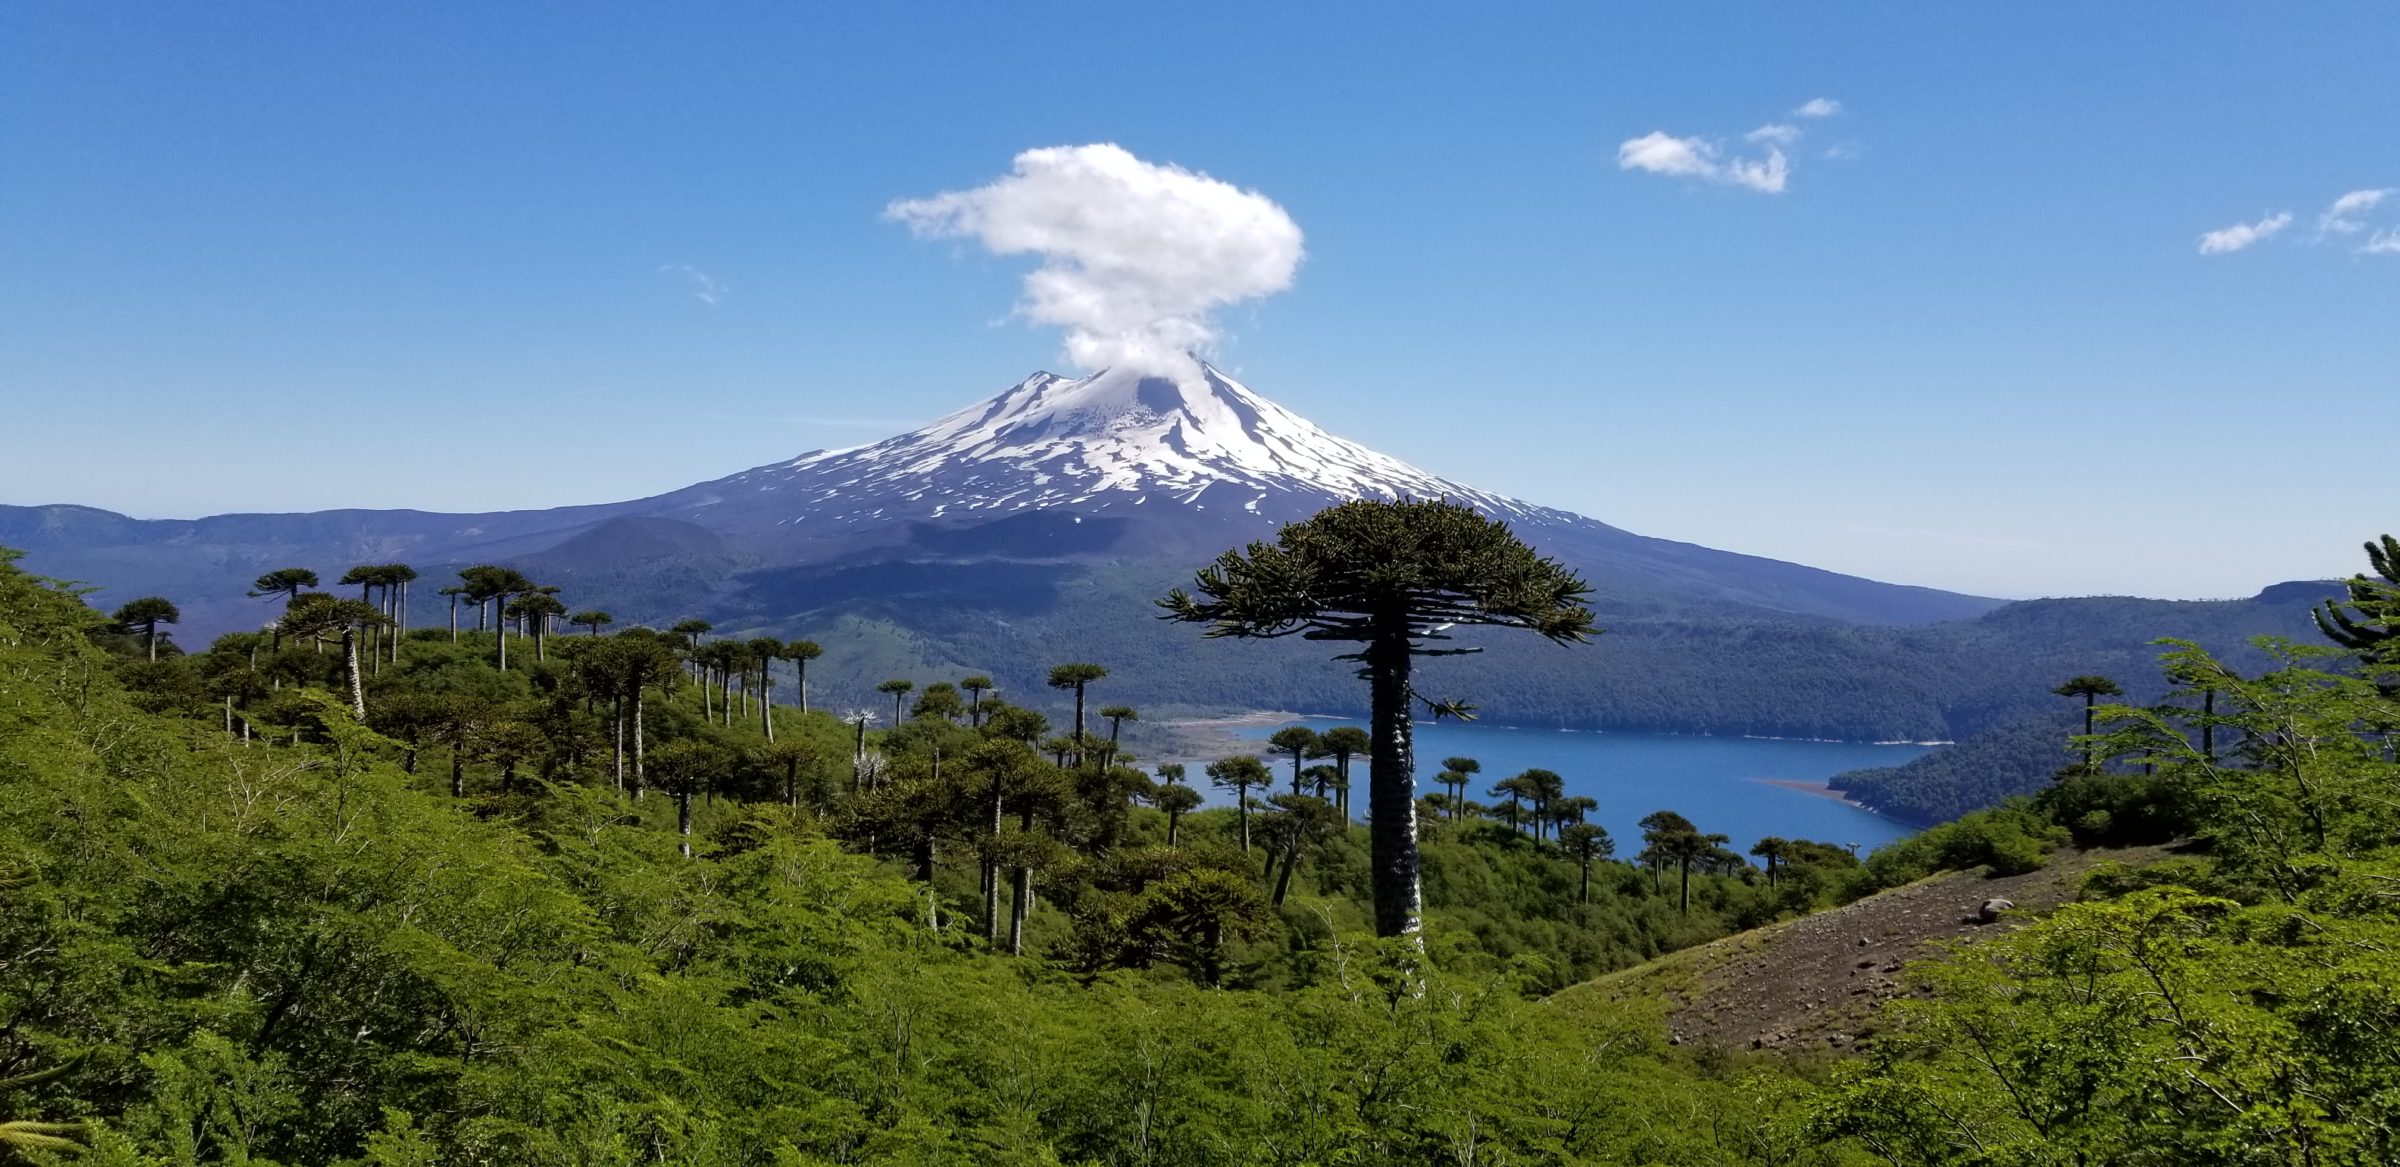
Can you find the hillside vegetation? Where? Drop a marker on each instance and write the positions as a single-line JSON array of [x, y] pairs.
[[581, 910]]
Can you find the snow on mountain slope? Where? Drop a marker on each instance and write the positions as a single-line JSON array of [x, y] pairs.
[[1111, 440]]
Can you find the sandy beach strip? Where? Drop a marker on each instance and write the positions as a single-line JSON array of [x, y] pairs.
[[1819, 789]]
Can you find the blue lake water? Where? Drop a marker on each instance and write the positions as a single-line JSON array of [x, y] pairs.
[[1713, 781]]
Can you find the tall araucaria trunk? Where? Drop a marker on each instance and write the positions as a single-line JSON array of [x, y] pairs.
[[637, 742], [1021, 899], [766, 699], [358, 692], [991, 874], [616, 728], [1392, 785]]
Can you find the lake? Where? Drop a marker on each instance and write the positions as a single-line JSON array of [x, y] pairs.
[[1713, 781]]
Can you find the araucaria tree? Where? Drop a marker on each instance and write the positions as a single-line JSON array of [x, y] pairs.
[[2091, 689], [1076, 676], [2374, 631], [145, 615], [1390, 577], [1239, 774], [287, 582]]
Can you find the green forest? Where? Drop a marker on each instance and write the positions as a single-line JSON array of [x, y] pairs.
[[533, 888]]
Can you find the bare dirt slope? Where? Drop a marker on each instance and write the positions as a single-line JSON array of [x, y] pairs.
[[1814, 982]]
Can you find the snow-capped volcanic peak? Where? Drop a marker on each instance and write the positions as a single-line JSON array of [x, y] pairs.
[[1114, 438]]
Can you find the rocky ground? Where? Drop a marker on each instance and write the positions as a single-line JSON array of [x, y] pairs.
[[1814, 983]]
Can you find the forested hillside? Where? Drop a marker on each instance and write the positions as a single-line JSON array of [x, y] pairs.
[[2008, 762], [579, 908]]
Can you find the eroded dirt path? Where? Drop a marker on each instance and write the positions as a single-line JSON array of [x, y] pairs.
[[1814, 982]]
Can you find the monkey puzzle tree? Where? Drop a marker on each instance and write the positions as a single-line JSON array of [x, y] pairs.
[[766, 650], [592, 618], [975, 687], [1389, 577], [490, 587], [287, 582], [2091, 689], [321, 614], [1076, 676], [1117, 716], [940, 701], [1301, 743], [145, 615], [899, 688], [680, 767], [1176, 800], [1297, 822], [2374, 633], [1457, 772], [1543, 788], [1239, 774], [1773, 849], [800, 652], [1584, 843], [1342, 743], [536, 610]]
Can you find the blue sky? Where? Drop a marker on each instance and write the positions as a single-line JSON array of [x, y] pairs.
[[273, 257]]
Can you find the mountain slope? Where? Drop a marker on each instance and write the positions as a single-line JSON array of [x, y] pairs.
[[1111, 468], [1038, 525]]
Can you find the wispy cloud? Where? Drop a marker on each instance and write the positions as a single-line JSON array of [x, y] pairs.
[[703, 288], [2225, 240], [1708, 160], [1659, 153], [2347, 214]]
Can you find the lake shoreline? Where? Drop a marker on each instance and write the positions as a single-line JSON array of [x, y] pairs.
[[1263, 717], [1713, 780], [1815, 789]]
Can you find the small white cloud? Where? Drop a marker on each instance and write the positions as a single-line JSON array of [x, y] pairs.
[[1661, 153], [2241, 235], [2384, 242], [1780, 133], [1843, 151], [1766, 175], [1136, 256], [1821, 107], [704, 289], [2344, 217]]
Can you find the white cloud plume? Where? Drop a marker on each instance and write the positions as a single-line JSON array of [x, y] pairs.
[[2344, 217], [2241, 235], [703, 289], [1818, 107], [2384, 242], [1780, 133], [1660, 153], [1135, 255]]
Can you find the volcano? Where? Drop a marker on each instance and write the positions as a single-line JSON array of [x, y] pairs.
[[1029, 523], [1116, 468]]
